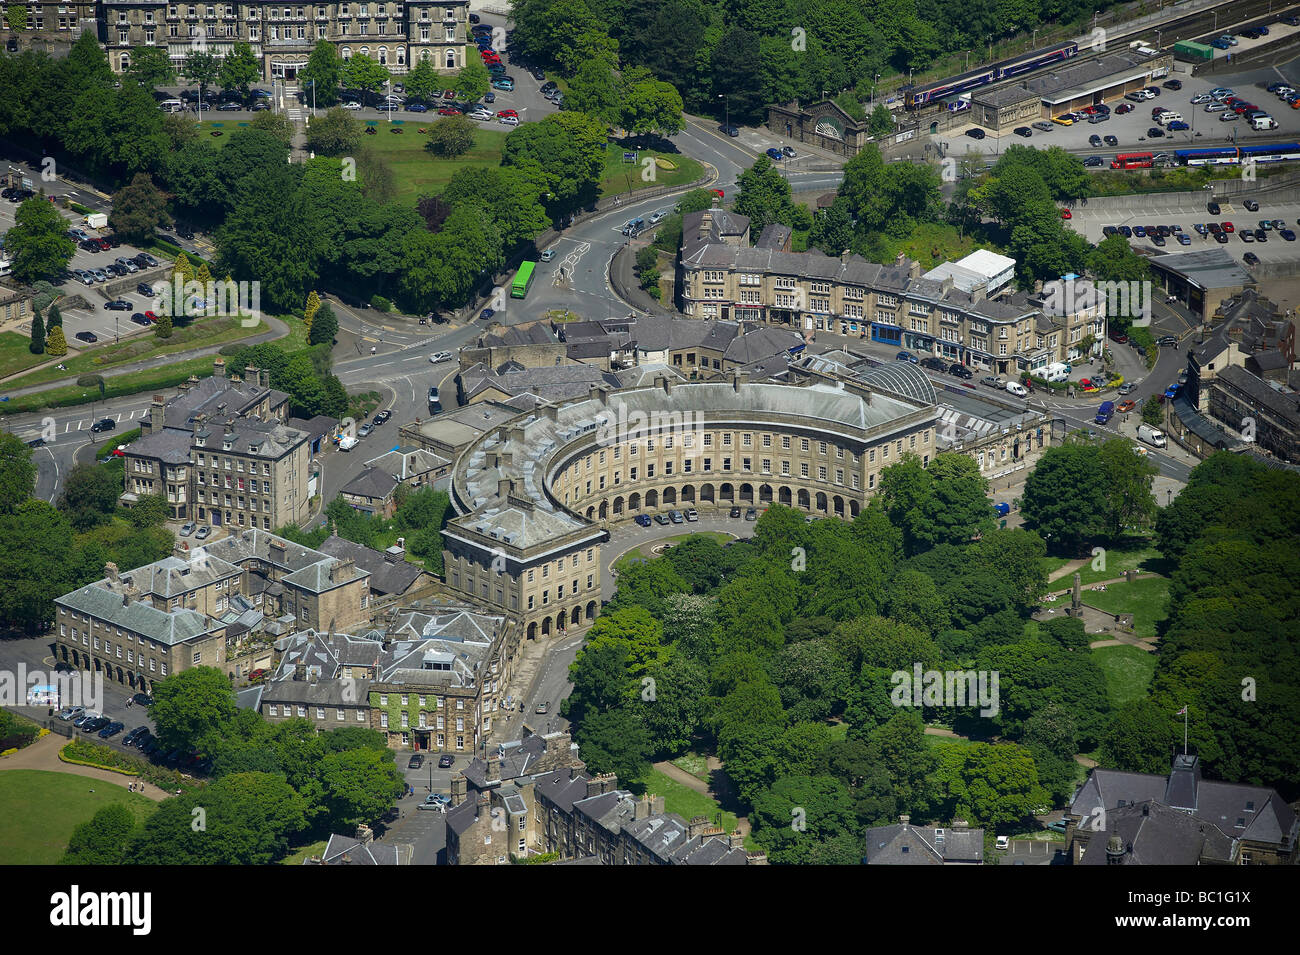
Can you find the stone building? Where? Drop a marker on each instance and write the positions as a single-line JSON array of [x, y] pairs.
[[221, 453], [395, 33], [822, 124], [533, 496]]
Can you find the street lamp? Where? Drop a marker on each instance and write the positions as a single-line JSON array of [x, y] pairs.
[[876, 79], [726, 102]]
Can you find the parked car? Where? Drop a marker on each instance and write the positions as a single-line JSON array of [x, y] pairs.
[[69, 713], [88, 337], [751, 514], [906, 356], [692, 515], [774, 154], [975, 133], [446, 761], [202, 533], [415, 762], [382, 417], [103, 424], [662, 520], [960, 371], [1024, 131], [993, 381], [111, 730], [734, 512], [432, 803], [187, 529], [643, 520], [364, 430], [676, 517]]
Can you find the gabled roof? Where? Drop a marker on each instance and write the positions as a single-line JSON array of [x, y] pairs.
[[905, 844], [371, 482], [345, 850]]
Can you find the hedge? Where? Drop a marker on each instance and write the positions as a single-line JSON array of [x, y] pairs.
[[81, 752]]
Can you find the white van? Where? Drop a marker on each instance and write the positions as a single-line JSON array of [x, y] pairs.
[[1152, 436], [171, 106], [1263, 122], [1170, 117], [1055, 372], [1017, 389]]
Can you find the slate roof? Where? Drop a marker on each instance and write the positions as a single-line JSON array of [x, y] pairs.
[[170, 445], [923, 845], [1151, 833], [371, 482], [216, 396], [774, 236], [406, 465], [387, 575], [345, 850], [763, 342], [168, 627], [1286, 405]]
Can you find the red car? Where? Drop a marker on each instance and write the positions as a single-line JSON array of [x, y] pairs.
[[489, 54], [448, 111], [1123, 108], [448, 94], [103, 244], [151, 316], [719, 193], [1228, 227], [507, 112], [1066, 214]]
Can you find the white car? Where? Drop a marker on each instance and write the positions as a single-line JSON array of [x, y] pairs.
[[1017, 389], [656, 217], [1002, 843], [548, 255], [509, 120], [439, 356], [1200, 98], [352, 105]]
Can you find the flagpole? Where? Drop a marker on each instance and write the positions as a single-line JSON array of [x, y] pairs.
[[1184, 731]]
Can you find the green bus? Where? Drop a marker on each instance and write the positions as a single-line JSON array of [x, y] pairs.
[[523, 280]]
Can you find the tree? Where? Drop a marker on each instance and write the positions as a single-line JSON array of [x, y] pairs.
[[652, 106], [138, 208], [190, 705], [821, 804], [277, 124], [450, 137], [90, 494], [163, 327], [33, 535], [56, 317], [764, 196], [310, 309], [17, 472], [832, 228], [360, 786], [249, 819], [1153, 410], [593, 90], [473, 79], [324, 73], [150, 510], [563, 155], [56, 345], [102, 840], [38, 243], [615, 742], [151, 67], [37, 344], [1140, 738], [881, 122], [201, 68], [240, 69], [337, 133], [1065, 497], [1115, 261], [360, 72], [1129, 501], [324, 327]]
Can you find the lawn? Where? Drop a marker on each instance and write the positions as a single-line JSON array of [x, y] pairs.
[[299, 856], [1147, 599], [1117, 561], [686, 802], [1053, 565], [39, 809], [622, 177], [15, 355], [644, 552], [209, 331], [416, 171], [695, 764], [168, 376], [1128, 672]]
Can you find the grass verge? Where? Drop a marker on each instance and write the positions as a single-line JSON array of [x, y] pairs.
[[1128, 672], [39, 809]]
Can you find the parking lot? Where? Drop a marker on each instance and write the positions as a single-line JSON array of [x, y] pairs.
[[100, 322], [1130, 129]]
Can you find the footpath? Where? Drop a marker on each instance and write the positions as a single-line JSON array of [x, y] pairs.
[[44, 754]]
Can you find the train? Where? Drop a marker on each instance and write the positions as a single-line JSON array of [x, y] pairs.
[[1236, 155], [994, 73]]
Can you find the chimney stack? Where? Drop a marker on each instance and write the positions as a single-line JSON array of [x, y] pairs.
[[458, 790], [697, 825], [481, 805], [219, 367], [642, 807], [493, 772], [110, 571], [157, 414], [505, 487], [903, 821]]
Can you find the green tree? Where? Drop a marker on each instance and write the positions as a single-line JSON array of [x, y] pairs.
[[56, 317], [201, 69], [616, 742], [277, 124], [1129, 501], [1115, 261], [360, 72], [249, 819], [472, 81], [451, 136], [163, 327], [37, 344], [823, 807], [33, 535], [151, 67], [150, 510], [38, 242], [1140, 738], [324, 72], [324, 327], [17, 472], [337, 133], [563, 156], [1153, 411], [56, 345], [881, 122], [593, 90], [103, 840], [239, 70], [138, 208], [1065, 497], [360, 786], [90, 494], [764, 196], [190, 705], [652, 106]]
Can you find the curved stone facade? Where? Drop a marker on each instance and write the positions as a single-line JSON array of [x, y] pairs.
[[535, 496]]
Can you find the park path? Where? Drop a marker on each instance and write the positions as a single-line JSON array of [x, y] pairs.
[[44, 754], [1140, 575], [1069, 568]]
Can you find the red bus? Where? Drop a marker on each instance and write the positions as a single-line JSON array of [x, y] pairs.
[[1132, 161]]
